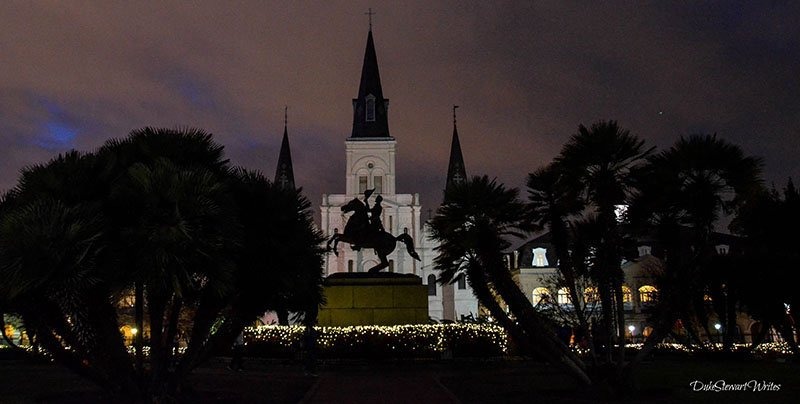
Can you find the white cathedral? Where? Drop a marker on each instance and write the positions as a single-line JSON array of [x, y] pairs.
[[370, 164]]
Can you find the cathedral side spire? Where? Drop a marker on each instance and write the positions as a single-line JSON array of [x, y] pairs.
[[370, 109], [284, 174], [456, 173]]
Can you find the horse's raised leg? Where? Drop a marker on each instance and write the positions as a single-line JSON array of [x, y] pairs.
[[383, 264]]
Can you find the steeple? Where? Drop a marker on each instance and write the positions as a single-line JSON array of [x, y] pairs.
[[284, 174], [456, 173], [370, 109]]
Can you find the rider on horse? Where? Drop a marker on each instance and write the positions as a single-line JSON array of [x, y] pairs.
[[364, 223]]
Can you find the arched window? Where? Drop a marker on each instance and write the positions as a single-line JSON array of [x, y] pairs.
[[626, 294], [462, 282], [362, 184], [563, 296], [349, 265], [539, 257], [590, 295], [647, 294], [391, 265], [540, 295], [431, 285]]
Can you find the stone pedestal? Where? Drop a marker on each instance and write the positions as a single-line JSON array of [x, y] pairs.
[[374, 299]]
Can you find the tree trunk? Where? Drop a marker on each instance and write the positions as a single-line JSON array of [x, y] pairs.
[[138, 339]]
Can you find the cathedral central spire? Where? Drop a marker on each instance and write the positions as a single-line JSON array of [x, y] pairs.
[[370, 109]]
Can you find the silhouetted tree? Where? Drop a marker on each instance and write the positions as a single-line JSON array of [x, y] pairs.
[[684, 190], [472, 226], [160, 212], [601, 160]]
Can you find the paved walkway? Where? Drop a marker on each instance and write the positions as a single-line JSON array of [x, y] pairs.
[[387, 386]]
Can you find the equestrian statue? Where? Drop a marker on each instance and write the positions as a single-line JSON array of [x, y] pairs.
[[364, 229]]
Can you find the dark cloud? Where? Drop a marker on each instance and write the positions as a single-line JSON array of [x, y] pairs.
[[524, 73]]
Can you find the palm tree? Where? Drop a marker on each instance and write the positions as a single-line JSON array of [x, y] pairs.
[[54, 264], [601, 159], [552, 202], [160, 210], [684, 190], [472, 227]]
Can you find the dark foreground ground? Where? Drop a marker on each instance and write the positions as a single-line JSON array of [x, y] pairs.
[[664, 380]]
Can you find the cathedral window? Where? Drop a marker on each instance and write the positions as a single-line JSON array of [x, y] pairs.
[[349, 265], [462, 282], [377, 183], [431, 285], [391, 265], [370, 108], [362, 184]]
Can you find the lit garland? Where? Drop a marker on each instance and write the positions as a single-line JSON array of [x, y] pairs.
[[399, 340]]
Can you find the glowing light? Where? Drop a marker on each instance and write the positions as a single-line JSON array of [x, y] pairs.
[[134, 331], [718, 326], [631, 328]]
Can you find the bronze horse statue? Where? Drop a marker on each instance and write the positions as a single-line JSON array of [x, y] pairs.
[[359, 234]]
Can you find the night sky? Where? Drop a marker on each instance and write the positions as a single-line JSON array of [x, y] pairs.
[[524, 74]]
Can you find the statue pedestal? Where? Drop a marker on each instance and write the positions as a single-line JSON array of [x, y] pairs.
[[374, 299]]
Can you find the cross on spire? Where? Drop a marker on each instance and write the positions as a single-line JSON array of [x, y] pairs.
[[370, 14]]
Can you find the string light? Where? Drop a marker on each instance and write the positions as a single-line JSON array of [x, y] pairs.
[[416, 340]]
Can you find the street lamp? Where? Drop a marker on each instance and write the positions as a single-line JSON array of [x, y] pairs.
[[631, 328], [718, 327]]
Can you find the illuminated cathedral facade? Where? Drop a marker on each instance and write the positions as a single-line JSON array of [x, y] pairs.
[[370, 154]]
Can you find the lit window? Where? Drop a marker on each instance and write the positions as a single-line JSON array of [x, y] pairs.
[[377, 183], [647, 294], [644, 250], [370, 108], [563, 296], [626, 294], [431, 285], [540, 295], [539, 257], [362, 184], [707, 298], [590, 295]]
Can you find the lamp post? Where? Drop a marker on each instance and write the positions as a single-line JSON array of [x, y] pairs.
[[631, 328], [718, 327]]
